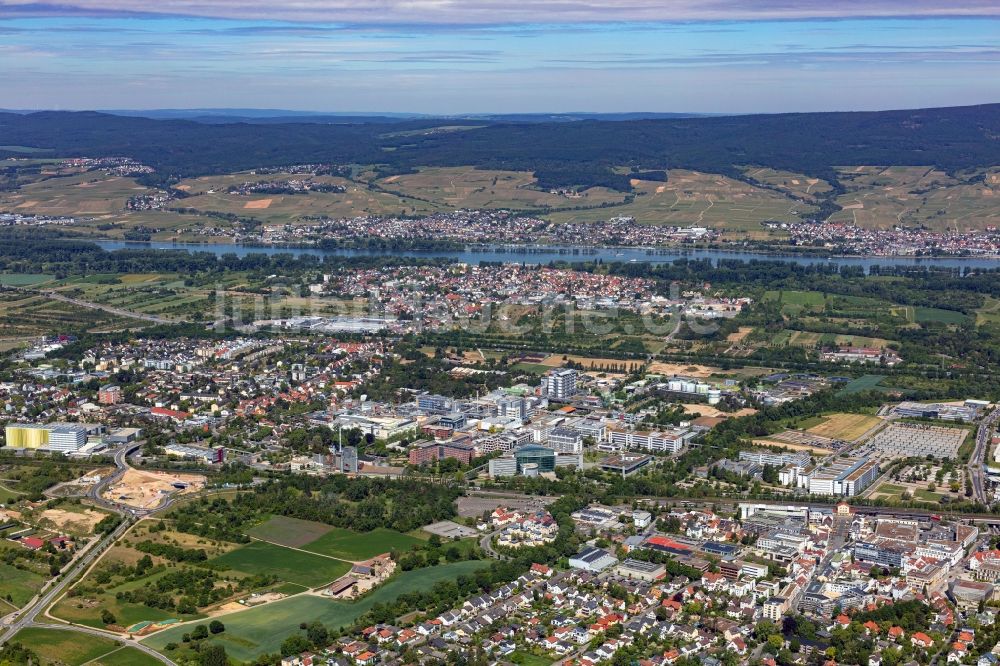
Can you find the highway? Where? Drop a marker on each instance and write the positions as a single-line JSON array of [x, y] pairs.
[[26, 617], [976, 461]]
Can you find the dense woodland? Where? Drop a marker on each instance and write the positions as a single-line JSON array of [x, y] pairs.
[[562, 154], [359, 504]]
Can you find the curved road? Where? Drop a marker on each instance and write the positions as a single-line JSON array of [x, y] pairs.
[[27, 616]]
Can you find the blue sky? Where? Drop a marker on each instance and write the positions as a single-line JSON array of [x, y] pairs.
[[87, 56]]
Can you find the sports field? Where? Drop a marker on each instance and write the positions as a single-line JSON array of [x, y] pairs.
[[256, 631], [293, 566], [847, 427], [357, 546]]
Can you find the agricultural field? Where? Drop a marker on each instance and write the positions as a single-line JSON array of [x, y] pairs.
[[812, 339], [795, 184], [17, 587], [357, 546], [94, 194], [293, 566], [23, 314], [209, 194], [467, 187], [23, 279], [74, 648], [256, 631], [879, 197], [692, 198], [847, 427], [863, 383], [331, 541], [989, 314], [290, 532]]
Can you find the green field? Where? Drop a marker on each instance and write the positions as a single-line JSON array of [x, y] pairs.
[[126, 656], [23, 279], [126, 613], [527, 659], [989, 313], [8, 495], [26, 314], [261, 630], [927, 496], [72, 648], [356, 546], [291, 532], [809, 422], [19, 585], [292, 566], [863, 383], [924, 315]]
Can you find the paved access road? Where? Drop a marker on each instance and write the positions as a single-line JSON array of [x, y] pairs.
[[976, 462], [27, 616]]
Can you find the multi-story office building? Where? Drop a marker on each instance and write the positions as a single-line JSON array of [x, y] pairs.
[[434, 404], [559, 384], [776, 459], [655, 441], [843, 477], [565, 440]]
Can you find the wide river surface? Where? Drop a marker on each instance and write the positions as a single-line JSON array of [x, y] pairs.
[[546, 254]]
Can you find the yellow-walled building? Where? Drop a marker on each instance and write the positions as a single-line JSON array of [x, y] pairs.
[[27, 436]]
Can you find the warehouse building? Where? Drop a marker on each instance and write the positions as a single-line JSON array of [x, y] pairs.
[[62, 437]]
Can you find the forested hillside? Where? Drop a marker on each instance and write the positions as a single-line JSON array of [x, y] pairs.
[[562, 154]]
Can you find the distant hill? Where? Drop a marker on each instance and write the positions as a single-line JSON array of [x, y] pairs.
[[562, 153]]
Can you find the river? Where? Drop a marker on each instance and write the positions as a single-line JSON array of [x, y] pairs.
[[546, 254]]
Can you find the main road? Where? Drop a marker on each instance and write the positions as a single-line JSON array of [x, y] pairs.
[[26, 617], [976, 462]]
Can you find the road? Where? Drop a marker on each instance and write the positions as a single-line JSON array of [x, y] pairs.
[[975, 468], [97, 632], [486, 545], [26, 617]]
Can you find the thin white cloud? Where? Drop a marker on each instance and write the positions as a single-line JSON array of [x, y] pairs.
[[498, 12]]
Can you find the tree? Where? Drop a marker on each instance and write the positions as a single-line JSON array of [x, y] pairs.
[[216, 627], [213, 655], [317, 634], [200, 632], [107, 617], [295, 644]]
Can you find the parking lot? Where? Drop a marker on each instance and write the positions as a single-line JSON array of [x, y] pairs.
[[905, 440]]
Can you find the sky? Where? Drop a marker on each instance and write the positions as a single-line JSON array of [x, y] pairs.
[[487, 56]]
